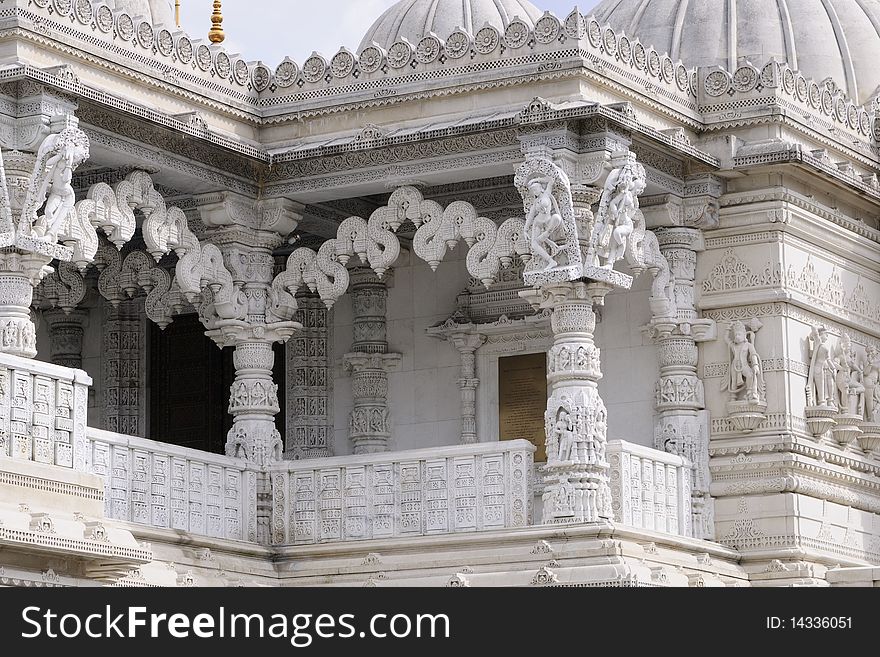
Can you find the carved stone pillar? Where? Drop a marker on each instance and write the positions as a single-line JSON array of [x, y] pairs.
[[369, 363], [66, 330], [576, 474], [253, 400], [681, 422], [467, 344], [123, 347], [309, 397]]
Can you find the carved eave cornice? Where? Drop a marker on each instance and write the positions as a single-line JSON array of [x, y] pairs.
[[538, 114], [840, 174], [145, 68], [824, 135], [795, 466], [620, 116], [159, 135], [791, 201], [537, 325], [493, 140], [113, 559]]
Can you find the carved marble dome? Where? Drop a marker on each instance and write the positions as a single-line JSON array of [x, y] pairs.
[[413, 19], [156, 11], [839, 39]]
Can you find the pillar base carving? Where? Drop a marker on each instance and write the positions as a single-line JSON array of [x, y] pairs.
[[253, 401], [369, 427]]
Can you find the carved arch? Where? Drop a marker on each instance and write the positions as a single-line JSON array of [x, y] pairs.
[[376, 244]]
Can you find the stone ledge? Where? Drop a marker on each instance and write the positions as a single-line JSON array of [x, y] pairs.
[[58, 488]]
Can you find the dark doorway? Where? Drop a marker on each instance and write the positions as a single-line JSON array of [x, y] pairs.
[[190, 379]]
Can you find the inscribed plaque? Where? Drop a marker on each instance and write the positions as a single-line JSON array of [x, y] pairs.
[[522, 399]]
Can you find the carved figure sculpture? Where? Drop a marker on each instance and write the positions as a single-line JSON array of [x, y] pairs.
[[564, 435], [820, 386], [57, 158], [544, 222], [745, 375], [848, 378], [617, 210]]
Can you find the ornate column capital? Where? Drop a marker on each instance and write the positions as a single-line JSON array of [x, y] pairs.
[[230, 332], [220, 209], [467, 342], [681, 237], [356, 362]]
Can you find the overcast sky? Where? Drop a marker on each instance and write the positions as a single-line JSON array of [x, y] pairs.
[[272, 29]]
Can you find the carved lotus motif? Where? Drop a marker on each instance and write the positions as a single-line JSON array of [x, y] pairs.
[[457, 45], [371, 59], [261, 77], [165, 42], [145, 34], [286, 74], [487, 40], [103, 17], [342, 64], [575, 25], [223, 65], [240, 71], [314, 68], [640, 56], [125, 27], [428, 49], [717, 83], [84, 11], [399, 54], [184, 50], [516, 35], [625, 50], [547, 29], [203, 57]]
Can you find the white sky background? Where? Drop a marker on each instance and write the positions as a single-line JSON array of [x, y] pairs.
[[269, 30]]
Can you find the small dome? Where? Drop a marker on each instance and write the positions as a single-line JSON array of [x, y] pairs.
[[837, 39], [413, 19], [156, 11]]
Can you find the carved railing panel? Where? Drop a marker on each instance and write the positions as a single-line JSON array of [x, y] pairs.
[[444, 490], [650, 489], [171, 487], [42, 412]]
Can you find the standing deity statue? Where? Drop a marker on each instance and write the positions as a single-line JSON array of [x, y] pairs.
[[564, 437], [617, 210], [871, 382], [848, 378], [820, 385], [544, 223], [745, 374]]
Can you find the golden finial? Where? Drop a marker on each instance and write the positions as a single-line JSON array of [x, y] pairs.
[[216, 34], [177, 12]]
